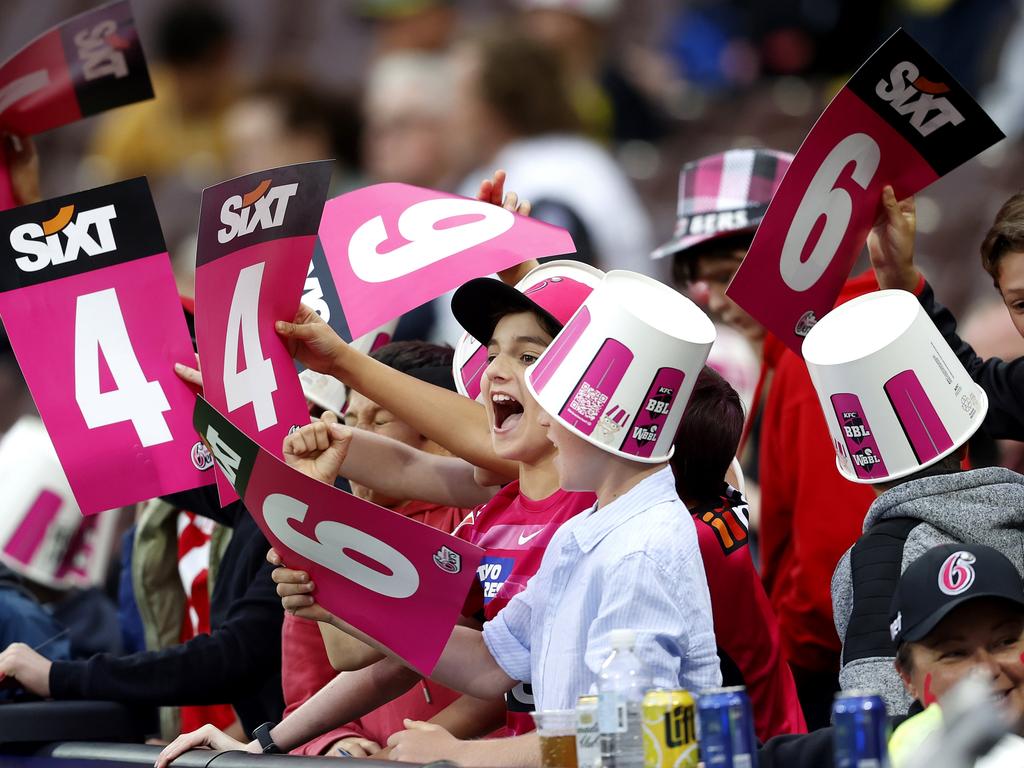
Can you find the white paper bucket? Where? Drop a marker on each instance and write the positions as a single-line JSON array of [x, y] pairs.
[[470, 358], [895, 397], [43, 535], [621, 371], [331, 394]]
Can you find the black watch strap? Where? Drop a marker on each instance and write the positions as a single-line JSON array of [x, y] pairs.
[[262, 735]]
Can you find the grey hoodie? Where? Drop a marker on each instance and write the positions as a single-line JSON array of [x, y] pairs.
[[981, 506]]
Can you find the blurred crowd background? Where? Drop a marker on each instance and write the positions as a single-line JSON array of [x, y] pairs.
[[591, 105]]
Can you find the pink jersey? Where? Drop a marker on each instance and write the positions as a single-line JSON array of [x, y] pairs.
[[515, 531]]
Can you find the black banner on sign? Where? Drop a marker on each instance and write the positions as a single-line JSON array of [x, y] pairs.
[[321, 294], [263, 206], [233, 451], [105, 59], [916, 96], [77, 233]]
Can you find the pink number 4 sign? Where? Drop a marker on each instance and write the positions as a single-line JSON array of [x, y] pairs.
[[89, 302]]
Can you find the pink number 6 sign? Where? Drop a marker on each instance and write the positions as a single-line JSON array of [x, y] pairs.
[[90, 304], [392, 247], [901, 120], [369, 564]]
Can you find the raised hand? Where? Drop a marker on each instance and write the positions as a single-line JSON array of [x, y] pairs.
[[318, 449], [891, 243], [311, 341]]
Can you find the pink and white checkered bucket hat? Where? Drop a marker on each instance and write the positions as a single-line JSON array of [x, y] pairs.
[[724, 194]]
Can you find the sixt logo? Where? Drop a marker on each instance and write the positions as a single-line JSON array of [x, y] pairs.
[[60, 239], [659, 404], [929, 111], [854, 427], [100, 51], [264, 208]]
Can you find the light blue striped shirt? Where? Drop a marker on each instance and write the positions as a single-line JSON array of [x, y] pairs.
[[634, 564]]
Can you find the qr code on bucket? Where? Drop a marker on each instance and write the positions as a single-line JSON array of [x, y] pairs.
[[588, 402]]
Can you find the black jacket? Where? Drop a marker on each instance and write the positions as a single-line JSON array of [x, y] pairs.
[[239, 662], [1003, 381], [812, 750]]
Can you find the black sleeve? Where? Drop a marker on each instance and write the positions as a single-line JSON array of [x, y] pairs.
[[205, 501], [808, 750], [233, 662], [1003, 381]]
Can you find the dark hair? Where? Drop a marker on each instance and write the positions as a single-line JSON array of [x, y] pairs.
[[947, 465], [1005, 235], [523, 81], [406, 356], [307, 108], [707, 438], [191, 32], [551, 327], [905, 659], [684, 263]]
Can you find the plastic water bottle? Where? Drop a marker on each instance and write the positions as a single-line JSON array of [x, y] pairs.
[[621, 685]]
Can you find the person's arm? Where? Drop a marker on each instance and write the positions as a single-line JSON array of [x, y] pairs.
[[454, 422], [347, 697], [345, 652], [1002, 380], [410, 473], [428, 742], [233, 660]]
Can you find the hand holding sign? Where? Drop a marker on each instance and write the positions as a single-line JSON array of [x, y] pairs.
[[902, 121], [891, 243], [88, 64], [369, 564], [256, 239], [392, 247]]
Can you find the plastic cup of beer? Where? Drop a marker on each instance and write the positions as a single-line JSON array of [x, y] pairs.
[[557, 731]]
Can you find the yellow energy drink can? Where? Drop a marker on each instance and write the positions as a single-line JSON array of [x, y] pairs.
[[670, 729]]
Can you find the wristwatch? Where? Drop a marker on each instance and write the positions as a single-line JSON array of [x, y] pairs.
[[262, 735]]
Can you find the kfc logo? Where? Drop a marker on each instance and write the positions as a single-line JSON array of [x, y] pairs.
[[911, 94], [262, 208], [100, 51], [60, 239], [957, 573]]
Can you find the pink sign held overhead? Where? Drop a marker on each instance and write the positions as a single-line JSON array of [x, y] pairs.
[[256, 239], [89, 301], [87, 64], [901, 120], [399, 581], [393, 247]]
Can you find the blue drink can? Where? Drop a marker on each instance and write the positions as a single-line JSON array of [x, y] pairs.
[[725, 728], [861, 730]]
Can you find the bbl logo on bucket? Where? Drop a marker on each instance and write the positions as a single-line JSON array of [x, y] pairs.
[[650, 421], [860, 442]]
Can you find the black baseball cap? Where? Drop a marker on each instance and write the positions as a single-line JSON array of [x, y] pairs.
[[554, 291], [945, 577]]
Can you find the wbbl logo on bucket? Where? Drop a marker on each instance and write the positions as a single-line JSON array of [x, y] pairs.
[[860, 442], [649, 423]]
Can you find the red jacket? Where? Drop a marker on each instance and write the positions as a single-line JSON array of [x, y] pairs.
[[810, 514], [745, 627]]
